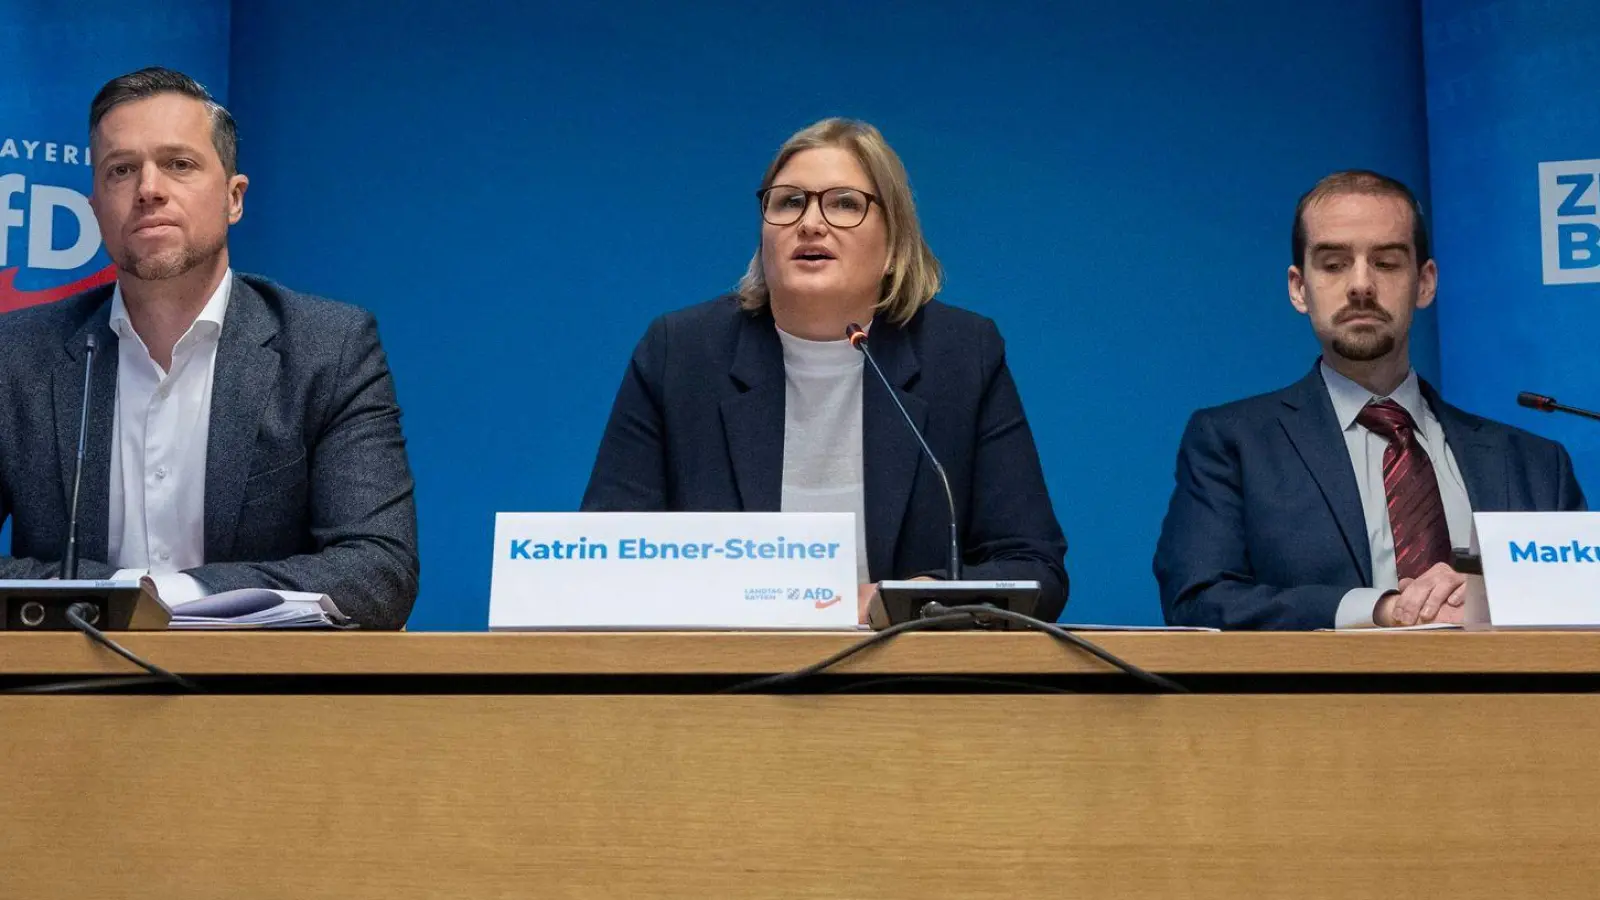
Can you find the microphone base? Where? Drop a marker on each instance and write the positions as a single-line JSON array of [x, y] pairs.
[[903, 601], [43, 605]]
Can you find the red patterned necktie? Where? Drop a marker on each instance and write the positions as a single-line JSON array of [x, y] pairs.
[[1416, 513]]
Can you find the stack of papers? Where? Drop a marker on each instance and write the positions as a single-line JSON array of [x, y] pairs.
[[258, 608]]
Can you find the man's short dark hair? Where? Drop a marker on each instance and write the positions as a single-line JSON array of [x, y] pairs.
[[1359, 181], [155, 80]]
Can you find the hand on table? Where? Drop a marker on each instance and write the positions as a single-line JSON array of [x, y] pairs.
[[1436, 595]]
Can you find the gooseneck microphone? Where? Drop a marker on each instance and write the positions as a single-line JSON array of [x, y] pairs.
[[69, 555], [1548, 404], [901, 606], [858, 339], [85, 610]]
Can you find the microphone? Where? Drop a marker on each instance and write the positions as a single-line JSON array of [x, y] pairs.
[[1548, 404], [63, 605], [69, 556], [858, 340], [902, 601]]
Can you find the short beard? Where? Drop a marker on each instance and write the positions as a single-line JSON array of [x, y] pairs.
[[167, 264], [1364, 345]]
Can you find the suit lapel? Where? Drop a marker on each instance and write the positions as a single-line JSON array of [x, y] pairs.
[[246, 370], [752, 419], [890, 451], [94, 495], [1483, 458], [1309, 421]]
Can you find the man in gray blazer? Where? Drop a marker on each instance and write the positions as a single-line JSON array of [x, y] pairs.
[[240, 434]]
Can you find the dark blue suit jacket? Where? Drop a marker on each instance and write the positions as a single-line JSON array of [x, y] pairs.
[[1265, 528], [698, 425]]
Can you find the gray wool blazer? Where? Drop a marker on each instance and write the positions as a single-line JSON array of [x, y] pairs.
[[307, 483]]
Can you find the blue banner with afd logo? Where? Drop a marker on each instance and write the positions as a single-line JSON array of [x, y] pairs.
[[1514, 155], [54, 56]]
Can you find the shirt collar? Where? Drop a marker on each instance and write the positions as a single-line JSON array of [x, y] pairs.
[[1349, 398], [208, 323]]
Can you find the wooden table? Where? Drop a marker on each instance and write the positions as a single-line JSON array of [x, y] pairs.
[[594, 765]]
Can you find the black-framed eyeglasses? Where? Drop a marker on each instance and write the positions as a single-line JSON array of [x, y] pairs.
[[842, 207]]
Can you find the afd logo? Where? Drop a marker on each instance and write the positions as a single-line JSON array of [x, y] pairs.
[[1535, 552], [820, 596], [1569, 221], [39, 208]]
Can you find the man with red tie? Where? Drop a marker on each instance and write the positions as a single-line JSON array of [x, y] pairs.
[[1336, 501]]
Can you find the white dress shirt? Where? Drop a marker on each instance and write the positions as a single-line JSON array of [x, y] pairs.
[[1366, 457], [158, 454], [822, 456]]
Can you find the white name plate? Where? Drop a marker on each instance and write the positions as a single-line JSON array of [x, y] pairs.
[[673, 570], [1540, 570]]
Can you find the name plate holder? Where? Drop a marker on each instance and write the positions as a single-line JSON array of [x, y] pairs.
[[1540, 570], [902, 601], [673, 571]]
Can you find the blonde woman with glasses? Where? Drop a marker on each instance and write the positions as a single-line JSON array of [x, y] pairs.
[[758, 401]]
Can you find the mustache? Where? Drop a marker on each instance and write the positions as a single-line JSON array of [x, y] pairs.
[[1353, 312]]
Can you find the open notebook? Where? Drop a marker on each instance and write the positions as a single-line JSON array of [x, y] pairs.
[[259, 608]]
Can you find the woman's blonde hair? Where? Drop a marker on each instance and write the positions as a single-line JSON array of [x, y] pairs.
[[914, 274]]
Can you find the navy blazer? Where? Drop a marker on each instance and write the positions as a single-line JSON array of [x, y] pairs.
[[1265, 528], [698, 425]]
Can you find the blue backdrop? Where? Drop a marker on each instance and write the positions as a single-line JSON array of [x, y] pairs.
[[516, 192], [1514, 141]]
